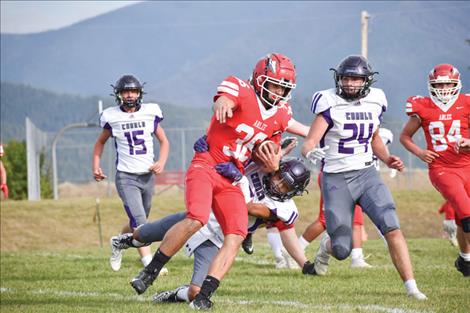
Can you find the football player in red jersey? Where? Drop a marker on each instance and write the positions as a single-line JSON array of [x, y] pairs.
[[445, 119], [245, 114]]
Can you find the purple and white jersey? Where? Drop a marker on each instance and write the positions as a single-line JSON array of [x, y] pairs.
[[351, 125], [132, 134], [252, 187]]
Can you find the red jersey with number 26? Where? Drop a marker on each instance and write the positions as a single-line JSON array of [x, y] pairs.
[[443, 127], [251, 123]]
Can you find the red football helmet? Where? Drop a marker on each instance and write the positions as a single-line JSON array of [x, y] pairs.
[[276, 69], [444, 74]]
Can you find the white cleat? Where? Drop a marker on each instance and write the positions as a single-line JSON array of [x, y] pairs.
[[359, 263], [116, 256], [281, 264], [322, 257], [418, 295], [451, 229]]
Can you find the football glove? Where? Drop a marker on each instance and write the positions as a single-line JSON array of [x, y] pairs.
[[316, 154], [201, 145], [229, 170], [309, 268]]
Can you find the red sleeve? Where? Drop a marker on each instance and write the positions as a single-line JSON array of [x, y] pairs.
[[233, 88], [413, 105]]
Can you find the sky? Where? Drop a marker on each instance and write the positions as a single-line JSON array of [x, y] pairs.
[[21, 17]]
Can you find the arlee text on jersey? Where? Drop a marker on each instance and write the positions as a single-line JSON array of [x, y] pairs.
[[445, 117], [260, 125]]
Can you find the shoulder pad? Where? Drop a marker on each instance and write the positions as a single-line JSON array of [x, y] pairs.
[[322, 101]]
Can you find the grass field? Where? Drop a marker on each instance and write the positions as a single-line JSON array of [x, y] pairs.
[[51, 261]]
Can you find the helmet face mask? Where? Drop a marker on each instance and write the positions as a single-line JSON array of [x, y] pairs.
[[353, 66], [270, 73], [290, 180], [444, 84], [128, 83]]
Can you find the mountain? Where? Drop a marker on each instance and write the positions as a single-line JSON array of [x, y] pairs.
[[184, 49], [50, 111]]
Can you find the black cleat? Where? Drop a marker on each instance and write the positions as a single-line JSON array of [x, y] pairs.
[[462, 266], [201, 303], [170, 296], [247, 244], [141, 282]]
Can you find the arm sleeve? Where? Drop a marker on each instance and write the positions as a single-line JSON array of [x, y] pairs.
[[104, 123], [319, 103], [232, 88], [412, 106]]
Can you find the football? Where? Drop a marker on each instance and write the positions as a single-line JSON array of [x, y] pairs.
[[267, 145]]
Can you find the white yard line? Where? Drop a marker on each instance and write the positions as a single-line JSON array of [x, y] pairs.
[[296, 304]]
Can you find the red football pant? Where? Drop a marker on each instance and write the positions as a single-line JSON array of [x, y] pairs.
[[454, 185], [206, 190]]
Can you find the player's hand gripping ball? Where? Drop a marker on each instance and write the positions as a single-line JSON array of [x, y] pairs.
[[267, 154]]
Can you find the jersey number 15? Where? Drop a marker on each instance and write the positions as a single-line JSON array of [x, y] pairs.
[[133, 140]]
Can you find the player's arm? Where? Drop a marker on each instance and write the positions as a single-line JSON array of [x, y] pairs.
[[260, 210], [3, 180], [3, 174], [315, 133], [381, 151], [97, 151], [406, 139], [297, 128], [291, 243], [223, 108], [159, 165]]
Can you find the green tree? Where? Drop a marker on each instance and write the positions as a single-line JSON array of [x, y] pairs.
[[15, 164]]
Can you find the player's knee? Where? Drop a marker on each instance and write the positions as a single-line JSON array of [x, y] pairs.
[[340, 252], [388, 220], [341, 242], [193, 225], [466, 224]]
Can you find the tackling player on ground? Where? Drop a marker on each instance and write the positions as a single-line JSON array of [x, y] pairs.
[[268, 197], [346, 128], [445, 119]]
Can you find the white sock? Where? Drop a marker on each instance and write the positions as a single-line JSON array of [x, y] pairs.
[[465, 256], [274, 240], [303, 242], [146, 259], [411, 286], [323, 246], [356, 253], [182, 294]]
